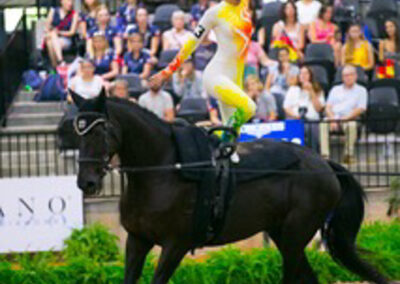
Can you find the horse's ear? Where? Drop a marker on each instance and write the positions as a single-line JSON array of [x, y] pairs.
[[101, 101], [78, 100]]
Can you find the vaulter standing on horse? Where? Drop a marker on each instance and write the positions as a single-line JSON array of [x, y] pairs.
[[230, 20]]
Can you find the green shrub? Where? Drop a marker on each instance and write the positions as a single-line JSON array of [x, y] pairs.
[[94, 242], [96, 265]]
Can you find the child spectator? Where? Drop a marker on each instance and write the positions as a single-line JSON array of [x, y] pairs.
[[389, 47], [197, 11], [306, 101], [280, 78], [126, 14], [137, 60], [86, 83], [186, 82], [307, 11], [204, 53], [103, 57], [159, 102], [266, 106], [61, 26], [356, 50], [255, 57], [178, 35], [346, 103], [114, 37], [289, 29], [88, 16], [150, 33], [322, 30]]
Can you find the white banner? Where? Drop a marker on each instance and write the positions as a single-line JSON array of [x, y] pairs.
[[37, 214]]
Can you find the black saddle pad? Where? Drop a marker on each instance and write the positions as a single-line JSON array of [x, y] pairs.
[[263, 157], [257, 159]]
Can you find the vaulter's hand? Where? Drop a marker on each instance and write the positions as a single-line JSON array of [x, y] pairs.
[[157, 80]]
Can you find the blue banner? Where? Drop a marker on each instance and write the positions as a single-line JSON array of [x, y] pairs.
[[288, 130]]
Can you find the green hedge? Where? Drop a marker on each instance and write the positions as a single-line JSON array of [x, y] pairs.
[[91, 256]]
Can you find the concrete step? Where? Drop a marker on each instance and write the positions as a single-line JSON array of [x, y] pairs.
[[27, 107], [31, 142], [28, 130], [32, 119], [25, 96]]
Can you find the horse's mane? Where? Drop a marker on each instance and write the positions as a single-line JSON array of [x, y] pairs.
[[136, 110]]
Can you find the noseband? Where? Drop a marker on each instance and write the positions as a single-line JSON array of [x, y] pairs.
[[83, 123]]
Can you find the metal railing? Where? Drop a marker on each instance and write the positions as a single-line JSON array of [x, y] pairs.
[[374, 162], [14, 60]]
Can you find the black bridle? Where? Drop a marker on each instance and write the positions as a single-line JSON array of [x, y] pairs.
[[83, 124]]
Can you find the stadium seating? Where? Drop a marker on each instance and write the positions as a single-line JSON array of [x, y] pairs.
[[193, 109], [166, 57], [379, 12], [321, 54], [321, 76], [269, 16], [135, 86], [163, 14]]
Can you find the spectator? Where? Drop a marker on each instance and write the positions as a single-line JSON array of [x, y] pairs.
[[88, 16], [266, 106], [137, 60], [61, 26], [150, 33], [356, 50], [159, 102], [307, 11], [280, 78], [186, 82], [306, 101], [389, 47], [204, 52], [113, 35], [213, 109], [197, 11], [346, 102], [289, 28], [177, 36], [120, 89], [255, 57], [86, 83], [126, 14], [322, 30], [103, 57]]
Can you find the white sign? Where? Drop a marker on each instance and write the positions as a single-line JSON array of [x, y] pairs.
[[37, 214]]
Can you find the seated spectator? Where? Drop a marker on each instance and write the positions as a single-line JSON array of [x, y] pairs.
[[204, 52], [150, 33], [213, 108], [159, 102], [197, 11], [356, 50], [255, 57], [306, 101], [137, 60], [86, 83], [289, 32], [266, 106], [126, 14], [61, 26], [322, 30], [103, 24], [307, 11], [178, 35], [279, 79], [186, 82], [103, 57], [346, 103], [389, 47], [120, 89], [88, 16]]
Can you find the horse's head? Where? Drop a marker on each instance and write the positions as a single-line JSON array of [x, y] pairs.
[[95, 150]]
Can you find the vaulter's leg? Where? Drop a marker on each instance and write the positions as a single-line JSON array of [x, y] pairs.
[[136, 252]]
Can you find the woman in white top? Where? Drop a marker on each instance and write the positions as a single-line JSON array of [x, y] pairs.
[[289, 26], [176, 37], [307, 11], [306, 101], [86, 83]]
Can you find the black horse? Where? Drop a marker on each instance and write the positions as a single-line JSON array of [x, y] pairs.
[[157, 206]]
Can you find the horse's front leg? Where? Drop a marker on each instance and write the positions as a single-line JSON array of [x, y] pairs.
[[136, 251], [171, 256]]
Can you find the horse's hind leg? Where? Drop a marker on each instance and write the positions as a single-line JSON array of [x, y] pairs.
[[135, 255], [170, 258], [306, 273]]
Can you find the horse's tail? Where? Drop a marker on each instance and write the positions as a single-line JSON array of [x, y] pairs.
[[340, 230]]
